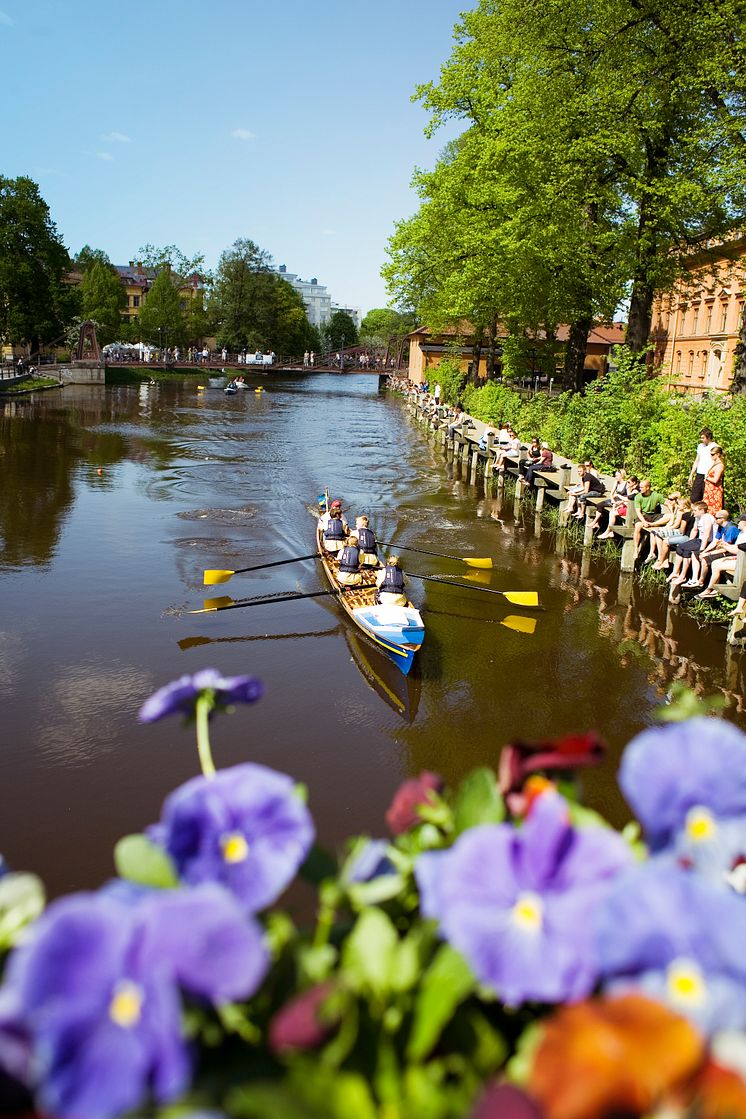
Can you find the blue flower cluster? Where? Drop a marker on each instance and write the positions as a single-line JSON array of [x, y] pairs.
[[547, 911]]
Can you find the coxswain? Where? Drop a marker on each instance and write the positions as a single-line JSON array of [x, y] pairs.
[[368, 544], [334, 527], [348, 572], [390, 580]]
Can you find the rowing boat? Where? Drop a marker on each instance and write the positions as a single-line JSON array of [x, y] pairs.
[[398, 630]]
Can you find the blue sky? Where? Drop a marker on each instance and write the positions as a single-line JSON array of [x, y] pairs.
[[195, 123]]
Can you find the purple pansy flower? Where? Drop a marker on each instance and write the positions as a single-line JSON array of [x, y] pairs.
[[246, 828], [667, 771], [714, 848], [370, 861], [517, 903], [96, 993], [678, 938], [181, 695]]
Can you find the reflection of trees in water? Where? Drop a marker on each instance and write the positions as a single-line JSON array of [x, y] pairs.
[[37, 458]]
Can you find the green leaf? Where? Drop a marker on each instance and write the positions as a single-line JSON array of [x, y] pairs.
[[265, 1100], [21, 902], [383, 888], [369, 953], [140, 860], [478, 801], [352, 1098], [447, 982]]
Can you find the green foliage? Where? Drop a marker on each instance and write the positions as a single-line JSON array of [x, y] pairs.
[[161, 320], [21, 902], [340, 331], [87, 256], [451, 379], [103, 300], [35, 303], [384, 326], [140, 860], [170, 256]]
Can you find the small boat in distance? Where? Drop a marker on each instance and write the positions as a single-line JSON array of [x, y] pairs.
[[398, 630]]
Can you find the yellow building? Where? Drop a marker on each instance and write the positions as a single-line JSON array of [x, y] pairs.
[[138, 280], [696, 326]]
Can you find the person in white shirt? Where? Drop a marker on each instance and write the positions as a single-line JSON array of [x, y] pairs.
[[727, 564], [700, 466], [702, 531]]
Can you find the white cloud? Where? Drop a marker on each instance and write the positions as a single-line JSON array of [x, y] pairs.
[[243, 134], [5, 19], [115, 138], [106, 156]]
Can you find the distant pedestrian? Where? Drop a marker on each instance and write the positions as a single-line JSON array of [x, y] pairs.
[[306, 357], [313, 358]]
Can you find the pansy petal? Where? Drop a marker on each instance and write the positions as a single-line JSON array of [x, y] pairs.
[[668, 770], [95, 1075], [211, 947]]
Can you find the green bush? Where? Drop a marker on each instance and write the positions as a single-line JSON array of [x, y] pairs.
[[451, 380]]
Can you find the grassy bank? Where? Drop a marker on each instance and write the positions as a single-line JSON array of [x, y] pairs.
[[136, 374], [31, 384]]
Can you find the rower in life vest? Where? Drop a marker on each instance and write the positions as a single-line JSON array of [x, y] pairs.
[[348, 572], [390, 580], [368, 545], [334, 528]]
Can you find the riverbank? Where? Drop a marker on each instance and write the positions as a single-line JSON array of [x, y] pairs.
[[30, 384]]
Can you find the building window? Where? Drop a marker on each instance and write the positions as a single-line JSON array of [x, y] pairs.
[[708, 319], [678, 363], [695, 318], [723, 317], [703, 369], [135, 300], [690, 370]]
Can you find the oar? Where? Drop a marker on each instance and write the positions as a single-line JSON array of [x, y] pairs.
[[472, 561], [228, 603], [520, 625], [518, 598], [216, 576]]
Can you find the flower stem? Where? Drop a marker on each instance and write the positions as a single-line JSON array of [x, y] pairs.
[[203, 708]]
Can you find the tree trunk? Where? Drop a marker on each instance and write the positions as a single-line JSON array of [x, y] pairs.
[[577, 345], [477, 354], [491, 350]]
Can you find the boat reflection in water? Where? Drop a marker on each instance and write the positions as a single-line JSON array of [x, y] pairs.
[[401, 693]]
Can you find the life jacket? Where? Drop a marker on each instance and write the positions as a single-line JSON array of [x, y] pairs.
[[393, 580], [335, 530], [367, 541], [349, 559]]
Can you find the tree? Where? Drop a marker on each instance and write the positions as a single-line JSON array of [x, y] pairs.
[[35, 302], [385, 326], [340, 331], [161, 319], [103, 300], [87, 256], [170, 256]]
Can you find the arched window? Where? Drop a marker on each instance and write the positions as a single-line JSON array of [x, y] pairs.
[[690, 370], [723, 317], [678, 363], [708, 319]]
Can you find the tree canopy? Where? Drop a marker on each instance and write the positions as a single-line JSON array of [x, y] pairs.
[[340, 331], [602, 140], [385, 326], [35, 302], [161, 320], [103, 299]]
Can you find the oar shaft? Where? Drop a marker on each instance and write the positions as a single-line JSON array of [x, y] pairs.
[[276, 563], [264, 601], [421, 551], [451, 583]]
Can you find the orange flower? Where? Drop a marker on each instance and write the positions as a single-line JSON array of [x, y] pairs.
[[610, 1056], [717, 1092]]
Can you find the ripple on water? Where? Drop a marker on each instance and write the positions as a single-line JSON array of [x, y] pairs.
[[219, 516]]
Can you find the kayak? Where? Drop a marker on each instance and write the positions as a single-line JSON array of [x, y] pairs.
[[398, 630]]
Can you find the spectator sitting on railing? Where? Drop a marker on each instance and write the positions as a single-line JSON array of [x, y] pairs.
[[457, 418], [665, 518], [726, 533], [648, 504], [545, 463], [503, 432], [533, 454], [616, 497], [484, 437], [662, 540], [618, 511], [512, 450], [588, 485], [725, 563], [700, 536]]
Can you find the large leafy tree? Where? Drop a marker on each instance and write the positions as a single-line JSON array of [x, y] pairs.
[[170, 256], [603, 138], [161, 320], [36, 303], [103, 300], [253, 308], [340, 331], [385, 326]]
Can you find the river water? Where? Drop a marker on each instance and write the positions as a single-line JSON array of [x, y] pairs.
[[114, 500]]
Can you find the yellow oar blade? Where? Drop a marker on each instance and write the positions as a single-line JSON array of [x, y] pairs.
[[522, 598], [210, 605], [192, 642], [485, 562], [520, 625], [212, 577]]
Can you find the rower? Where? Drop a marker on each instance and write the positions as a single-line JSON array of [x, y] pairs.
[[390, 580], [368, 544], [334, 527], [348, 572]]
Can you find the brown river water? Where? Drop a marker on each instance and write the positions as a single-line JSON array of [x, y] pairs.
[[114, 500]]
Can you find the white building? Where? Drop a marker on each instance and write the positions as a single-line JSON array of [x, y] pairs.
[[315, 296], [355, 313]]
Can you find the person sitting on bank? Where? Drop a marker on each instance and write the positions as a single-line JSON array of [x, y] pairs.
[[726, 565], [648, 504], [592, 487], [726, 534], [665, 518], [335, 528], [702, 531], [544, 462], [368, 544], [390, 580], [348, 572], [617, 511]]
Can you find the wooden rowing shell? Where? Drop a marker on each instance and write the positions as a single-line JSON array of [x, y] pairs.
[[398, 630]]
